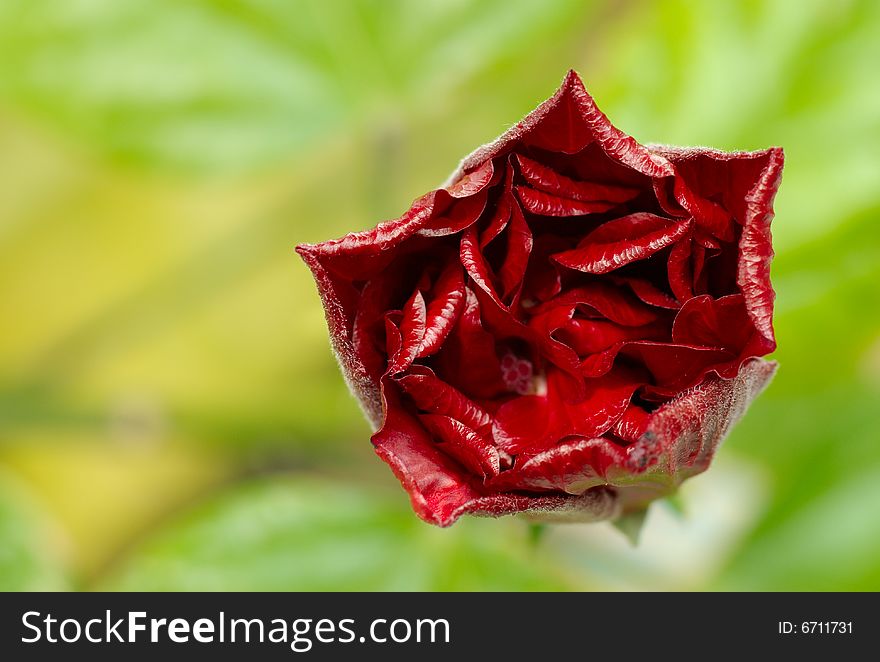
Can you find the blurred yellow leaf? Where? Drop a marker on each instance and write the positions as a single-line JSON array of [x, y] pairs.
[[103, 495]]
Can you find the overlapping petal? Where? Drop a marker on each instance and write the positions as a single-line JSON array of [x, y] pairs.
[[622, 241], [548, 180]]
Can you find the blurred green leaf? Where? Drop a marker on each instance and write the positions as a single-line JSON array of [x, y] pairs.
[[228, 84], [102, 493], [831, 544], [29, 553], [181, 83], [306, 535]]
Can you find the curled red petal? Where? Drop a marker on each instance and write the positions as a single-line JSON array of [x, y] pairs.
[[519, 247], [633, 424], [593, 505], [464, 444], [606, 400], [475, 264], [545, 204], [675, 367], [756, 248], [443, 311], [462, 213], [363, 255], [647, 292], [393, 338], [610, 301], [501, 215], [439, 487], [680, 270], [588, 336], [678, 441], [747, 183], [455, 364], [706, 214], [441, 491], [434, 396], [373, 304], [699, 255], [412, 333], [472, 181], [569, 121], [543, 279], [548, 180], [600, 363], [524, 422], [663, 192], [536, 422], [545, 325], [349, 255], [722, 322], [497, 223], [709, 322], [574, 466], [684, 434], [621, 241], [591, 336]]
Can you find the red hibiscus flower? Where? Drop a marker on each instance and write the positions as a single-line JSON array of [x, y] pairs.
[[570, 326]]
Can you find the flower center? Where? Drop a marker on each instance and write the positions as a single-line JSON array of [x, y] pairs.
[[517, 373]]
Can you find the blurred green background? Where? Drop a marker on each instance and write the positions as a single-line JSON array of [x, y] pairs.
[[171, 416]]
